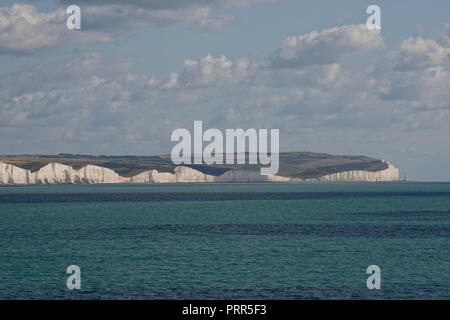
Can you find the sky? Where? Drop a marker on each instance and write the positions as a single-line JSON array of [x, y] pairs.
[[139, 69]]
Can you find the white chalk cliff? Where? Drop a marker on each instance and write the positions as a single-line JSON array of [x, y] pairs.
[[55, 173], [389, 174]]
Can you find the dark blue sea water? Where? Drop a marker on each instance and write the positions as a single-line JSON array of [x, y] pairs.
[[226, 241]]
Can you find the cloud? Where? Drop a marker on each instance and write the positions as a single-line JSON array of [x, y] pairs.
[[426, 88], [80, 100], [172, 82], [415, 53], [215, 71], [206, 23], [115, 18], [117, 14], [315, 95], [309, 76], [325, 47], [24, 30], [415, 72], [208, 71], [65, 73]]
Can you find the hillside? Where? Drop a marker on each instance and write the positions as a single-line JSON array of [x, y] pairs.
[[302, 165]]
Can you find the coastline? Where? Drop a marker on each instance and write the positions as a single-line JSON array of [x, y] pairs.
[[56, 173]]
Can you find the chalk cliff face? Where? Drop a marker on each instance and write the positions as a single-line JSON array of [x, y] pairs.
[[389, 174], [55, 173], [182, 174], [14, 175]]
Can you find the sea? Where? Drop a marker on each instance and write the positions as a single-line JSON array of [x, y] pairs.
[[226, 241]]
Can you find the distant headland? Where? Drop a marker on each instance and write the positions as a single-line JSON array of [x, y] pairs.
[[86, 169]]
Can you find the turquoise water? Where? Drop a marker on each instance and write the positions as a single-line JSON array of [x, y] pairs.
[[226, 241]]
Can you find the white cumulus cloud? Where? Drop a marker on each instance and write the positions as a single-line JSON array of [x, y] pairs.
[[23, 30], [325, 47]]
